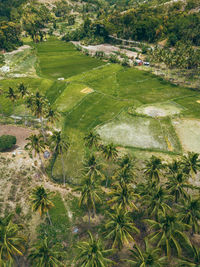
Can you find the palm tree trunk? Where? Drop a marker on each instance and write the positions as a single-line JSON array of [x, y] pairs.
[[42, 128], [63, 168], [89, 216], [41, 162], [49, 218]]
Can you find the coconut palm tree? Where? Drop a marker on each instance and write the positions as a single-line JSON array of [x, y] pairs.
[[92, 167], [156, 200], [41, 201], [168, 232], [148, 257], [92, 253], [123, 196], [59, 143], [89, 190], [12, 242], [12, 96], [35, 146], [191, 163], [39, 109], [174, 166], [189, 213], [110, 153], [43, 254], [92, 139], [176, 185], [52, 115], [23, 92], [153, 168], [120, 228], [194, 262]]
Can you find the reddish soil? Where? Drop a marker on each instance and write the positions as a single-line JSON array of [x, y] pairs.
[[20, 133]]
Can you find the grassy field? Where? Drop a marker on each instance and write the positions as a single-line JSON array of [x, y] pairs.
[[113, 91]]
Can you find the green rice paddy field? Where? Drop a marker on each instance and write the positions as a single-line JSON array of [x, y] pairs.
[[132, 108]]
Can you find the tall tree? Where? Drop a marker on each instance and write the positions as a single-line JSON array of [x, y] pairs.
[[191, 163], [92, 139], [92, 167], [23, 92], [189, 213], [12, 242], [148, 257], [169, 232], [44, 254], [59, 143], [52, 115], [153, 168], [12, 96], [120, 228], [89, 190], [41, 201], [92, 253], [35, 146], [123, 196]]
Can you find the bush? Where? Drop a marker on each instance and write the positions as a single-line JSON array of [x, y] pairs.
[[7, 142]]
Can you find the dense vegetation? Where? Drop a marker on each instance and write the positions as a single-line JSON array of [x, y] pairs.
[[7, 142]]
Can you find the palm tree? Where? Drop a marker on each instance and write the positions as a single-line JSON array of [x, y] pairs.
[[41, 201], [89, 190], [59, 144], [11, 241], [92, 139], [12, 96], [153, 168], [120, 228], [35, 144], [52, 115], [39, 109], [92, 167], [194, 262], [92, 253], [156, 200], [191, 163], [122, 196], [43, 254], [125, 162], [168, 232], [22, 89], [110, 153], [189, 213], [174, 167], [176, 185], [149, 257]]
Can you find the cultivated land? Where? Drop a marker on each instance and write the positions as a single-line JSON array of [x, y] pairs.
[[132, 108], [137, 111]]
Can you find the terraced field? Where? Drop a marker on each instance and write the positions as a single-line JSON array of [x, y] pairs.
[[132, 108]]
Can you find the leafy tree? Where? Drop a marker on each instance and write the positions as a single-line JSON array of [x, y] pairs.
[[168, 232], [156, 201], [123, 196], [176, 185], [191, 163], [41, 201], [35, 144], [92, 139], [120, 228], [149, 257], [153, 169], [189, 213], [43, 254], [92, 253], [89, 190], [11, 240], [59, 143]]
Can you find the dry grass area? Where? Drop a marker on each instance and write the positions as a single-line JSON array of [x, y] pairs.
[[87, 90]]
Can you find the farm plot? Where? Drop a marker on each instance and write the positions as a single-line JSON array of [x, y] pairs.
[[188, 131], [139, 132]]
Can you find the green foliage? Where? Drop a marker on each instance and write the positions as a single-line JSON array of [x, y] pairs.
[[7, 142]]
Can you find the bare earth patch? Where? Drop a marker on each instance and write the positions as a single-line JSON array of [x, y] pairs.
[[87, 90], [20, 133]]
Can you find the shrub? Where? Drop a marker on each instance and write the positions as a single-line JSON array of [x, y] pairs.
[[7, 142]]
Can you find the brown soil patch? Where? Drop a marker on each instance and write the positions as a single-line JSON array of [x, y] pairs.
[[87, 90], [20, 133]]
